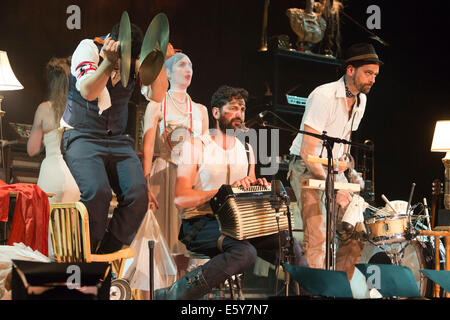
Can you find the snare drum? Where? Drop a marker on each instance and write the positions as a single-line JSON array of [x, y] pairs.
[[387, 230]]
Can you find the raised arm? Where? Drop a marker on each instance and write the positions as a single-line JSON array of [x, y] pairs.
[[92, 85]]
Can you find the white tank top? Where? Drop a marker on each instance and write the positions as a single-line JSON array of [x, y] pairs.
[[217, 167], [213, 169]]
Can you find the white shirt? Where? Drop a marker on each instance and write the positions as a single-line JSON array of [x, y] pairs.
[[326, 110], [85, 61], [213, 163]]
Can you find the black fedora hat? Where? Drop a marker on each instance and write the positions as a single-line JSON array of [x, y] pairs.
[[361, 53]]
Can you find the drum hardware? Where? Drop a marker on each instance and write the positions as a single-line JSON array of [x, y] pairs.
[[425, 206], [369, 183]]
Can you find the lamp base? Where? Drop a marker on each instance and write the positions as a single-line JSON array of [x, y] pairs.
[[446, 162]]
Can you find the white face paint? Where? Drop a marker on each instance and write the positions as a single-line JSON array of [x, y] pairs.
[[180, 75]]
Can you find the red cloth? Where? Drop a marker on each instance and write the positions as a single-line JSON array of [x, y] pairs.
[[30, 221], [4, 202]]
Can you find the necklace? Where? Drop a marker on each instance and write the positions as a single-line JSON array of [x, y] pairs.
[[165, 113], [348, 93], [186, 98]]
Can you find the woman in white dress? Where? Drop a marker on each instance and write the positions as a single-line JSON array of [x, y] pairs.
[[166, 125], [54, 175], [171, 117]]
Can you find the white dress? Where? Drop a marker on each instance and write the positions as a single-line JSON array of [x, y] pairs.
[[54, 175], [162, 225]]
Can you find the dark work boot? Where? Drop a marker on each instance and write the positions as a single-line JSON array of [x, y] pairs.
[[191, 286]]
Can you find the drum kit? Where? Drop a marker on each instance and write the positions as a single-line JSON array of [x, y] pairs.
[[392, 236]]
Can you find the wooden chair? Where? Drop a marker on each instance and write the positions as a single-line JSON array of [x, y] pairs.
[[70, 240], [442, 231]]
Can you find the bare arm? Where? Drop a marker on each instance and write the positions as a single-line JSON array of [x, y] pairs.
[[185, 195], [148, 150], [34, 143], [160, 86], [309, 144]]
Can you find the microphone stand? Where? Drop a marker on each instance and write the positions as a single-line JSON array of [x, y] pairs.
[[330, 196], [289, 257]]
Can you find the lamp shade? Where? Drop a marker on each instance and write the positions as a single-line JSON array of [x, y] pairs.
[[8, 80], [441, 137]]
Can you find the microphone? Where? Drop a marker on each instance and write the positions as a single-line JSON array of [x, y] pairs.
[[262, 114], [277, 195], [258, 119]]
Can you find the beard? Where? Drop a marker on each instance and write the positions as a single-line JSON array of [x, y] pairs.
[[225, 125], [365, 88]]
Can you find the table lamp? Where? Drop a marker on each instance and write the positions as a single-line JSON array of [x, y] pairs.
[[8, 82], [441, 143]]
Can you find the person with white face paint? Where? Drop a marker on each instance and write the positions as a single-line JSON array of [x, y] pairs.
[[167, 124], [170, 118]]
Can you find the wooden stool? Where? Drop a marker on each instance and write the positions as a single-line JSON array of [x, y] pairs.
[[437, 233], [234, 280]]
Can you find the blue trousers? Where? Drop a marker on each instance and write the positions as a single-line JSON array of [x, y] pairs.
[[98, 164], [238, 255]]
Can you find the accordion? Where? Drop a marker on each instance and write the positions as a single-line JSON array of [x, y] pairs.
[[245, 214]]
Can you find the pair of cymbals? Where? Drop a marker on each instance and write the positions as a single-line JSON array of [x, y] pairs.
[[153, 50]]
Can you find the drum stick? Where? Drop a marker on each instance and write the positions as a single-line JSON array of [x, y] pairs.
[[388, 203], [410, 198], [426, 212]]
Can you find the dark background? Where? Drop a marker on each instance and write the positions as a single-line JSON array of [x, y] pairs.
[[222, 39]]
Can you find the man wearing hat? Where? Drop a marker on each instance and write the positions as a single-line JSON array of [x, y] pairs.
[[336, 108]]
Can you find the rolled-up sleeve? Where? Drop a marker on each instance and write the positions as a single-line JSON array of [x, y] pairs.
[[85, 61]]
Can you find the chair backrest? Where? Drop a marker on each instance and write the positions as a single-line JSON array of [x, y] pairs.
[[69, 232]]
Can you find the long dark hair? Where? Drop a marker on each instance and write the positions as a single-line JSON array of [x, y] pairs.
[[57, 72]]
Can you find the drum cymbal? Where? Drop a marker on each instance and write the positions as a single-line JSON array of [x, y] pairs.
[[125, 48], [154, 48]]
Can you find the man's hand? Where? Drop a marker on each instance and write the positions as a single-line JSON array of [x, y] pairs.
[[356, 177], [247, 182], [343, 198], [110, 50]]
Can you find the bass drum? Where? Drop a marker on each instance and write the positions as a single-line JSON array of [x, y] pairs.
[[417, 255]]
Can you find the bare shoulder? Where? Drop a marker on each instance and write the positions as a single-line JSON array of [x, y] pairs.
[[44, 107]]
